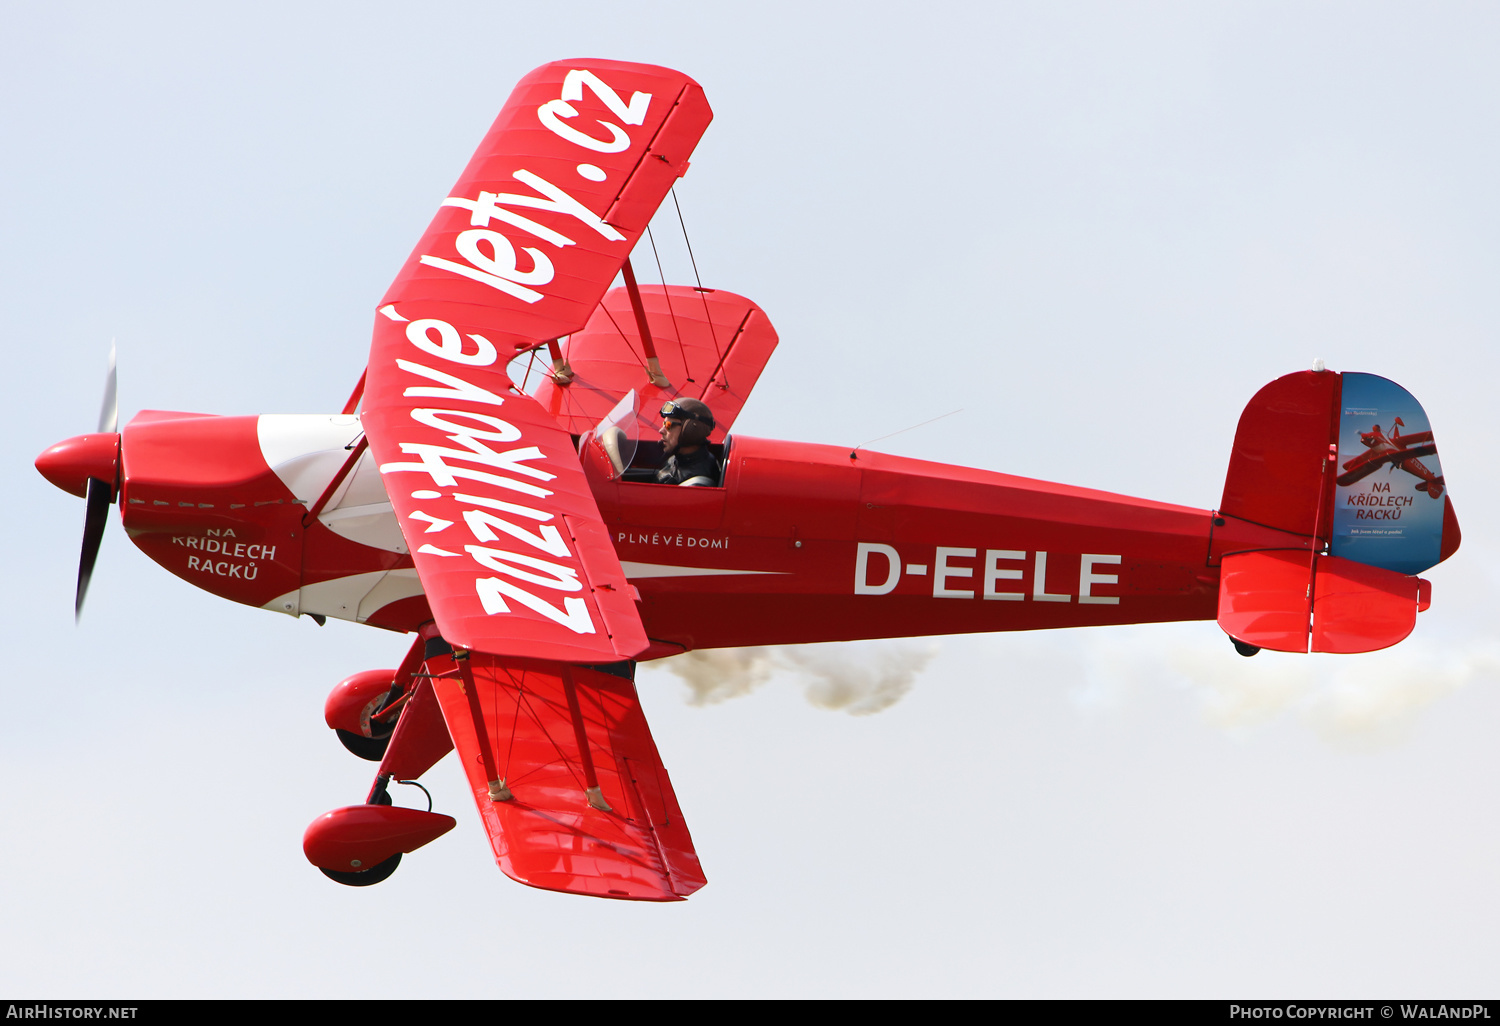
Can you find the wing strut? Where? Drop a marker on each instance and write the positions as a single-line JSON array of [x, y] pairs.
[[356, 451], [561, 372], [653, 365], [357, 394], [580, 734], [496, 783]]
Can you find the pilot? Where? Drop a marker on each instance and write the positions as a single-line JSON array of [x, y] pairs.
[[685, 427]]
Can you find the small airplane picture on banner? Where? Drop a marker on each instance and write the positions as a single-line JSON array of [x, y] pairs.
[[1403, 452], [538, 540]]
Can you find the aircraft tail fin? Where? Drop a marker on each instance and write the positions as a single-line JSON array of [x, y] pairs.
[[1332, 457]]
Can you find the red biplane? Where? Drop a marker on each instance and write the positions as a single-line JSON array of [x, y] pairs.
[[1398, 450], [523, 539]]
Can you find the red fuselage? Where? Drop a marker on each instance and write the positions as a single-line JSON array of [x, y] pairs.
[[802, 543]]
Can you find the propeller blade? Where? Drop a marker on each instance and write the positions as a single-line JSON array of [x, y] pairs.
[[109, 410], [94, 520]]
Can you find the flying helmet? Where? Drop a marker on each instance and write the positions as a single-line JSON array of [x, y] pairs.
[[697, 419]]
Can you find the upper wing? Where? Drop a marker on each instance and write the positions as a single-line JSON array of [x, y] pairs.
[[553, 201], [1415, 451], [712, 345], [567, 779], [504, 531]]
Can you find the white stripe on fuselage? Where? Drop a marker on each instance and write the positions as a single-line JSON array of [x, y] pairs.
[[667, 570]]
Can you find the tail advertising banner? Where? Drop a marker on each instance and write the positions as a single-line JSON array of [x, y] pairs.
[[1388, 497]]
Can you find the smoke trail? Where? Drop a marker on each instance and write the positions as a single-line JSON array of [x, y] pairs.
[[857, 679], [1387, 700], [718, 674], [1360, 700], [1369, 698], [857, 686], [1233, 693]]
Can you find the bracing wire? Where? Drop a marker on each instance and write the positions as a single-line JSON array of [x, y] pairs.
[[903, 431], [515, 722], [624, 337], [702, 294], [681, 344]]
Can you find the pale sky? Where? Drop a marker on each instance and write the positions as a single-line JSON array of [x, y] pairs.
[[1097, 229]]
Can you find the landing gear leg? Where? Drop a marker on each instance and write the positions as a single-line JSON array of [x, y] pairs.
[[364, 843]]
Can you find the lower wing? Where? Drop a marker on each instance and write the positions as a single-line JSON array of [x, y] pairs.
[[1363, 466], [568, 782]]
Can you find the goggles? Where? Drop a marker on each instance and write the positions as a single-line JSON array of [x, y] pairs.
[[673, 410]]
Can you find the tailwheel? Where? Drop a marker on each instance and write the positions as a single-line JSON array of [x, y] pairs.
[[364, 878], [371, 749]]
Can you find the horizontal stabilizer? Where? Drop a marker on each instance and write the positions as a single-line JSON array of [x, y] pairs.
[[1263, 599], [567, 778], [1290, 601], [1359, 608]]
